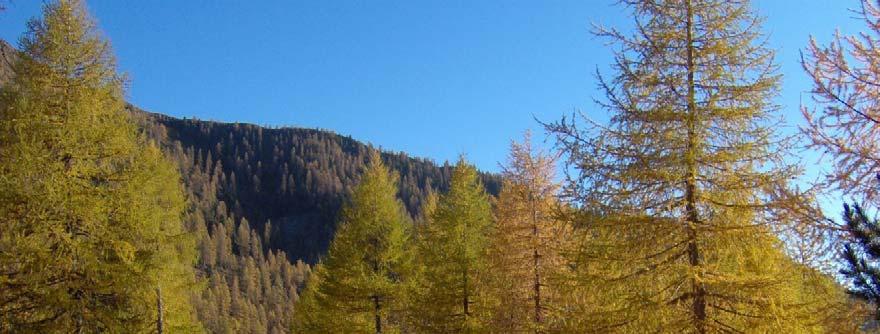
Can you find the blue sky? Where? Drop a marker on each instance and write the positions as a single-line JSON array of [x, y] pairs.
[[431, 78]]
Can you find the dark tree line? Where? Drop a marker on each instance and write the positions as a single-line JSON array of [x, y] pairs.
[[296, 178]]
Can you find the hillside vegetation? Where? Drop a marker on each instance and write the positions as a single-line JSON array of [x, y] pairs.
[[681, 214]]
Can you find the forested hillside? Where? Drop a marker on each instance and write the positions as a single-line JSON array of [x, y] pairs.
[[681, 214], [264, 202], [292, 178]]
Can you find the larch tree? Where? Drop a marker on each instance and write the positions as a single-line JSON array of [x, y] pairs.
[[363, 282], [527, 244], [92, 238], [309, 316], [453, 248], [683, 190], [844, 123]]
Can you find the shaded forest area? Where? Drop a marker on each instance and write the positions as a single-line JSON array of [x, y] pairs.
[[294, 179]]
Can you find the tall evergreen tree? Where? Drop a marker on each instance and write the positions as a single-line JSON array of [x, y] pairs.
[[688, 180], [91, 232], [363, 281], [453, 249], [527, 244]]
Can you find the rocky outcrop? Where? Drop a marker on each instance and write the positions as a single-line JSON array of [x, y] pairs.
[[8, 55]]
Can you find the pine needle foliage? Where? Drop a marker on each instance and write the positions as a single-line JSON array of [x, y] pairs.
[[843, 121], [451, 295], [91, 211], [686, 186], [525, 256], [362, 282], [861, 256]]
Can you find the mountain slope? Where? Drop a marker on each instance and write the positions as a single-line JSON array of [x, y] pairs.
[[295, 178]]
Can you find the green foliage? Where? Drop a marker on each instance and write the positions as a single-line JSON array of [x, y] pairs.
[[91, 211], [861, 256], [450, 296], [366, 270], [310, 315]]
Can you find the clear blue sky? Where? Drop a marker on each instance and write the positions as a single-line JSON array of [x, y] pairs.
[[431, 78]]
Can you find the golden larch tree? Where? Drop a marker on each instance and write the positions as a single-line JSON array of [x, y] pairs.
[[844, 123], [451, 294], [92, 238], [526, 245], [683, 192]]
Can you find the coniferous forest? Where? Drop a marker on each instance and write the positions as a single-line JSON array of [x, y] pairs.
[[685, 212]]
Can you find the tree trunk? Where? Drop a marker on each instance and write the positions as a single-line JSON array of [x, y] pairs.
[[699, 293], [378, 311], [537, 258], [160, 320], [465, 301]]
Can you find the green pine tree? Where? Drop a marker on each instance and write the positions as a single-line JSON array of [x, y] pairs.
[[92, 233], [860, 256], [453, 250], [362, 282]]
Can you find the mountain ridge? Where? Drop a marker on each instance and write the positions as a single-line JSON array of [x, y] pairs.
[[298, 180]]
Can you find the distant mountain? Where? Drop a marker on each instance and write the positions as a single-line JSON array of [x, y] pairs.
[[296, 178]]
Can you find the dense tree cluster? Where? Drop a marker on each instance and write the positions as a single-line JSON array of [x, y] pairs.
[[677, 216], [452, 250], [363, 280], [250, 269], [250, 287], [297, 178], [370, 281]]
